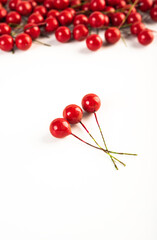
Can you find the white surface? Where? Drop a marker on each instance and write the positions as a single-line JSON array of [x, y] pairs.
[[63, 189]]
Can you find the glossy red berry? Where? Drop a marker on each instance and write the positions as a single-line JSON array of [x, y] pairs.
[[97, 5], [134, 17], [13, 4], [5, 29], [13, 18], [24, 8], [6, 43], [128, 7], [145, 5], [136, 28], [109, 9], [3, 13], [75, 3], [51, 24], [94, 42], [41, 10], [80, 32], [63, 34], [80, 19], [73, 114], [23, 41], [35, 18], [65, 18], [60, 128], [112, 35], [98, 19], [153, 14], [33, 3], [155, 4], [86, 7], [61, 4], [91, 103], [120, 4], [48, 4], [72, 11], [32, 30], [145, 37], [53, 13], [117, 18]]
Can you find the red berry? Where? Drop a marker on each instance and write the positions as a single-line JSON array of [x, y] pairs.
[[91, 103], [53, 13], [73, 114], [120, 4], [153, 14], [13, 4], [65, 18], [94, 42], [6, 43], [134, 17], [35, 18], [75, 3], [154, 3], [63, 34], [117, 18], [85, 7], [136, 28], [61, 4], [145, 5], [41, 10], [109, 9], [97, 5], [32, 30], [127, 9], [3, 13], [23, 41], [98, 19], [112, 35], [112, 2], [13, 18], [80, 19], [60, 128], [72, 11], [5, 29], [145, 37], [80, 32], [33, 3], [24, 8], [48, 4], [51, 24]]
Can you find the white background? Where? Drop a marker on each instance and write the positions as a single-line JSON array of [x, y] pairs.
[[63, 189]]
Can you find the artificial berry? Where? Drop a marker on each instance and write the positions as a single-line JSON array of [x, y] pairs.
[[73, 114], [91, 103], [3, 13], [145, 5], [94, 42], [61, 4], [35, 18], [60, 128], [32, 30], [65, 18], [153, 14], [24, 8], [51, 24], [80, 32], [48, 4], [13, 4], [117, 18], [136, 28], [41, 10], [97, 5], [145, 37], [6, 43], [13, 18], [134, 17], [53, 13], [5, 29], [63, 34], [23, 41], [112, 35], [98, 19], [80, 19]]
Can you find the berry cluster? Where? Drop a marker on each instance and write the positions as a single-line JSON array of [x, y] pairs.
[[24, 21], [73, 114]]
